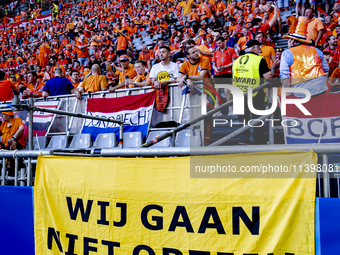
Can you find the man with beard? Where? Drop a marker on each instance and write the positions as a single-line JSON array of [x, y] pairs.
[[315, 28], [34, 88], [197, 68], [74, 78], [127, 73], [336, 12], [165, 72], [329, 25], [267, 51], [334, 53]]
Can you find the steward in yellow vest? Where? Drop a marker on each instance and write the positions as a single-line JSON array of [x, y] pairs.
[[247, 72]]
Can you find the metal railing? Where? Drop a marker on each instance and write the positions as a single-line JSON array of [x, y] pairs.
[[25, 175], [177, 107], [323, 178]]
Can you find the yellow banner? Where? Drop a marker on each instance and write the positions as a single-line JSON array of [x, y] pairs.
[[129, 206]]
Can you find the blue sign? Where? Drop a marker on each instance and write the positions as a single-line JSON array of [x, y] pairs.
[[327, 226], [17, 223]]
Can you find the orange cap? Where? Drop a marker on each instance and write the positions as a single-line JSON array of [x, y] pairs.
[[202, 32], [8, 113], [124, 57]]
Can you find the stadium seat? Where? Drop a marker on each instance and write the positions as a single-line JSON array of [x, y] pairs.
[[188, 137], [164, 143], [58, 142], [156, 36], [132, 139], [143, 33], [138, 47], [148, 42], [147, 38], [80, 142], [40, 142], [136, 40], [105, 141]]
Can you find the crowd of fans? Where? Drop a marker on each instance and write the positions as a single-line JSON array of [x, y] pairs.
[[90, 46], [97, 37]]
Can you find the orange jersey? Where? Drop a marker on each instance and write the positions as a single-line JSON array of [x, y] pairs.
[[94, 83], [81, 53], [9, 131], [38, 88], [131, 72], [194, 69], [146, 56]]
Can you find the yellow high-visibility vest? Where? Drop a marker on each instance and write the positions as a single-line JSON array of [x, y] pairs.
[[246, 72], [56, 8]]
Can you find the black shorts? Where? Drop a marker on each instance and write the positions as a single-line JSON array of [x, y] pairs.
[[121, 52]]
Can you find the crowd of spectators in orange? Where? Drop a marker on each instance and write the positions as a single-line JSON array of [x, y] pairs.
[[98, 37]]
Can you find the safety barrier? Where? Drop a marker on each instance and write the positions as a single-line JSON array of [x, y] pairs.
[[324, 177], [177, 109], [66, 119]]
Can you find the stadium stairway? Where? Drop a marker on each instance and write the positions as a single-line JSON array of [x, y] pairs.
[[281, 43], [221, 130]]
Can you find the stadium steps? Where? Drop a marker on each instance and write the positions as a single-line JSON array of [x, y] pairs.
[[220, 131], [279, 41]]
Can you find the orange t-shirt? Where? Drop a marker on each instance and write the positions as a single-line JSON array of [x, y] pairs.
[[194, 16], [195, 69], [268, 52], [146, 56], [220, 7], [94, 83], [131, 72], [6, 90], [38, 88], [9, 131], [75, 85], [232, 28], [81, 53], [205, 7], [242, 42], [335, 75], [122, 43]]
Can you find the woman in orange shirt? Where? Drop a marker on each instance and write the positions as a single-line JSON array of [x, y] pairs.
[[110, 55], [153, 28]]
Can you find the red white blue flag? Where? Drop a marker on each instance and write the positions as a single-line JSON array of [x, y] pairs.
[[323, 126], [41, 120], [136, 109]]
